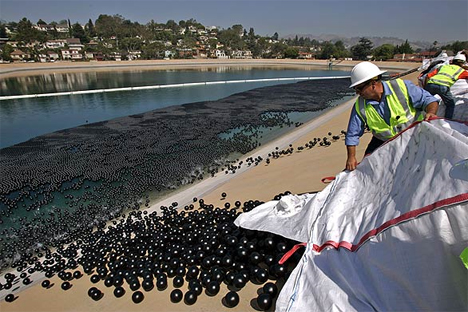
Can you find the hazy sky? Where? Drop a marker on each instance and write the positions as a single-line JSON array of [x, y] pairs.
[[426, 20]]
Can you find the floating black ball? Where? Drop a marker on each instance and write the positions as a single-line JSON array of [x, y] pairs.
[[231, 299], [176, 296], [119, 292], [190, 297], [138, 296], [264, 301]]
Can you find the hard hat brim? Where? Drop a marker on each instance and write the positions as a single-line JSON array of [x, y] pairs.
[[366, 79]]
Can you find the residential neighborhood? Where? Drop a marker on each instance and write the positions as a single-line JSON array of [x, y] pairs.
[[115, 38]]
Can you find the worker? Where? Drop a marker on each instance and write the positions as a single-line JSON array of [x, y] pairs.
[[384, 107], [441, 79]]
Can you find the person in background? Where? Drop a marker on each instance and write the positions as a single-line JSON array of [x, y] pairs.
[[440, 80], [385, 107]]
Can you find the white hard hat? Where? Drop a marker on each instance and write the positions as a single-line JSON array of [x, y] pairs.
[[364, 71], [443, 54], [460, 57]]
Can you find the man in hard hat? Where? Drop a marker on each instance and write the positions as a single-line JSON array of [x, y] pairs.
[[385, 107], [441, 79]]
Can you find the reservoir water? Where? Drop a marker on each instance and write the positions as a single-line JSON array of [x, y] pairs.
[[23, 119]]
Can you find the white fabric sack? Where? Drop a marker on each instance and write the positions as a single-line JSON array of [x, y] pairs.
[[386, 236]]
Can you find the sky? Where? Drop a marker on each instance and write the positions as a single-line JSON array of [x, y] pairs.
[[415, 20]]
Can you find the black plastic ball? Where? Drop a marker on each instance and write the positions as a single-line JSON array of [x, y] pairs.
[[270, 288], [264, 301], [178, 281], [176, 296], [45, 283], [212, 288], [96, 295], [190, 297], [10, 298], [231, 299], [138, 296], [66, 285], [119, 292], [95, 278]]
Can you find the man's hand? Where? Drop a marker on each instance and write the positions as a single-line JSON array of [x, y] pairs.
[[431, 111], [351, 162], [430, 116]]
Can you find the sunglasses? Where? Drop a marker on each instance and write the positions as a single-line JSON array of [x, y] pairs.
[[361, 86]]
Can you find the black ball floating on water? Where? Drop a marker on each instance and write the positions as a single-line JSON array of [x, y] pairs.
[[231, 299], [176, 296], [138, 296]]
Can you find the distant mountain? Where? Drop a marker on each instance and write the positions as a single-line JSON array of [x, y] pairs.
[[376, 41]]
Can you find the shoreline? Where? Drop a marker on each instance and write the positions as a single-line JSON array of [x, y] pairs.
[[29, 69]]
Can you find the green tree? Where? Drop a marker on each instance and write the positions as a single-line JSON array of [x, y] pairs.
[[78, 32], [108, 26], [6, 51], [340, 50], [25, 31], [131, 44], [384, 52], [291, 52], [152, 51], [328, 50], [404, 48], [89, 29], [231, 38], [456, 46], [361, 50], [3, 33], [275, 36]]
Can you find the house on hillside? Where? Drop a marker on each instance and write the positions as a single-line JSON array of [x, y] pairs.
[[55, 44], [52, 56], [75, 44], [74, 55], [18, 55]]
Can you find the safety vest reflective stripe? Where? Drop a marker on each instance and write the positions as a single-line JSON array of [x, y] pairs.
[[402, 113], [447, 75]]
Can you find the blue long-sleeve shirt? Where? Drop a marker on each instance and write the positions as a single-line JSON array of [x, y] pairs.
[[419, 98]]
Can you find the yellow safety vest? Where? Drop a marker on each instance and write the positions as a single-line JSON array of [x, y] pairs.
[[447, 75], [402, 112]]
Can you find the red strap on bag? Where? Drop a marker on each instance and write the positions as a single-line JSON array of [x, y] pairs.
[[287, 255]]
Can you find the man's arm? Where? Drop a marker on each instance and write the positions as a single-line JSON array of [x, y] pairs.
[[351, 162]]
